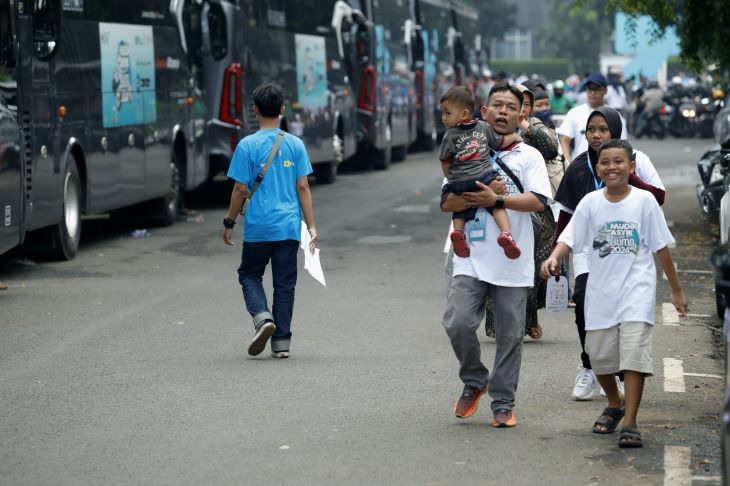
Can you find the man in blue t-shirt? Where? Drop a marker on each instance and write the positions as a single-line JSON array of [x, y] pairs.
[[271, 226]]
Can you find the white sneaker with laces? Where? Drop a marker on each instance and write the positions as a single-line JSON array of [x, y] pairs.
[[280, 354], [619, 385], [585, 385]]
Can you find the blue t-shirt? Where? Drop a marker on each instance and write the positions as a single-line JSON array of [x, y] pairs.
[[274, 213]]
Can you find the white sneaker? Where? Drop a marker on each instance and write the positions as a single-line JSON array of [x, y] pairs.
[[619, 385], [585, 385], [280, 354]]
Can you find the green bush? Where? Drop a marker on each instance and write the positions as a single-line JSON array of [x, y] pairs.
[[548, 69]]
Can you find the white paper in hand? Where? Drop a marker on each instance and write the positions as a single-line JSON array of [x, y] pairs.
[[311, 260], [556, 297]]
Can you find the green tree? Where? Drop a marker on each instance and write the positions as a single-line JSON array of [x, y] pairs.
[[497, 9], [579, 31], [703, 26]]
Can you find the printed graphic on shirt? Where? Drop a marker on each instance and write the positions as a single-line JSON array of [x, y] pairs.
[[617, 237], [511, 186], [471, 145]]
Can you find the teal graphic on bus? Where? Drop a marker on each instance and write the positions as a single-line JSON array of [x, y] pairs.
[[311, 71], [127, 74]]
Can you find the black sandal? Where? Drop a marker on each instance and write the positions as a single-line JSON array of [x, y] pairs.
[[629, 438], [610, 417]]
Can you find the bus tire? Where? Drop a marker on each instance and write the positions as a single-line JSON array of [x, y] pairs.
[[164, 209], [398, 154], [381, 157], [66, 235], [325, 173]]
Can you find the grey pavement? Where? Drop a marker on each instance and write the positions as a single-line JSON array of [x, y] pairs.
[[128, 364]]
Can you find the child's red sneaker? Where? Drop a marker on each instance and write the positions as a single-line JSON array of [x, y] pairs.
[[508, 245], [461, 247]]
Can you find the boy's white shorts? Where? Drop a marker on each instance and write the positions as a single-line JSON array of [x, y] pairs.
[[624, 347]]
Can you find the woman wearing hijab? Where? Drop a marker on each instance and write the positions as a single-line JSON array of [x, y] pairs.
[[604, 123]]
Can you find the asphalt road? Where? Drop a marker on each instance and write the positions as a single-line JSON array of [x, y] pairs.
[[128, 364]]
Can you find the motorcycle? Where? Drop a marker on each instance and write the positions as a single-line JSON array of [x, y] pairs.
[[650, 124]]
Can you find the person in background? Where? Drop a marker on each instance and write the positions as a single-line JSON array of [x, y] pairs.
[[560, 104], [616, 96], [572, 131]]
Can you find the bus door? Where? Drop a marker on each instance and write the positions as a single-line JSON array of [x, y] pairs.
[[11, 164]]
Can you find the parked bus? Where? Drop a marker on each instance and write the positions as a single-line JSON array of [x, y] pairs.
[[470, 50], [438, 37], [110, 107], [294, 45], [223, 79], [11, 162], [376, 40]]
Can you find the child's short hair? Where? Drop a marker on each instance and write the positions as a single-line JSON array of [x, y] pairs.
[[268, 98], [505, 86], [617, 143], [459, 95]]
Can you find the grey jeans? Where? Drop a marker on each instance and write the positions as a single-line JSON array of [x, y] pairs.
[[463, 314]]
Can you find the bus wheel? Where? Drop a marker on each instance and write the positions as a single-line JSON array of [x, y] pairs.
[[164, 210], [398, 153], [381, 157], [66, 235], [325, 173]]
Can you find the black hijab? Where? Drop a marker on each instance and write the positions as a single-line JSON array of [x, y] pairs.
[[579, 178], [615, 126]]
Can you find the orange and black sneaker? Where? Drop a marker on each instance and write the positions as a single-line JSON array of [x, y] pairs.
[[509, 245], [504, 417], [467, 404], [461, 247]]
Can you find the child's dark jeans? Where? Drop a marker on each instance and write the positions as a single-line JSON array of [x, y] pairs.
[[470, 186]]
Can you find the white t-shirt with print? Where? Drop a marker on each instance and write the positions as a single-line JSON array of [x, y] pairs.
[[620, 239], [487, 261], [574, 126], [646, 172]]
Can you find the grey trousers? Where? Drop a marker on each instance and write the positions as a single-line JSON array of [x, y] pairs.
[[463, 314]]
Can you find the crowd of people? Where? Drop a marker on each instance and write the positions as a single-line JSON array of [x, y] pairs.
[[580, 189]]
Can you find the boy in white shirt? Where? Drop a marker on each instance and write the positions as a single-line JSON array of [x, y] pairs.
[[619, 227]]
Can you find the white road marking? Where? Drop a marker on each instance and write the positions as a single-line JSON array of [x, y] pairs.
[[705, 375], [379, 240], [699, 315], [673, 375], [708, 479], [676, 466], [670, 317], [413, 208]]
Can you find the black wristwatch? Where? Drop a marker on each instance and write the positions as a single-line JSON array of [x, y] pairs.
[[499, 203], [228, 222]]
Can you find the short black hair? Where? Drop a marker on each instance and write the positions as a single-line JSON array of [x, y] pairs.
[[459, 95], [501, 87], [268, 98], [617, 143]]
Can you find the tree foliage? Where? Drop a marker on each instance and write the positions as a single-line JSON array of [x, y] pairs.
[[578, 31], [503, 10], [703, 26]]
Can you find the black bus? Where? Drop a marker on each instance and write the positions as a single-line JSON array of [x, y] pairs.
[[110, 108], [223, 80], [377, 47], [437, 40], [294, 44]]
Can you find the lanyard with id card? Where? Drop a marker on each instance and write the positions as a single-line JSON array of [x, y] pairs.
[[476, 229]]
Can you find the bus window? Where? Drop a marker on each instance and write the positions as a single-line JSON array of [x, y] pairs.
[[218, 31], [46, 25]]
